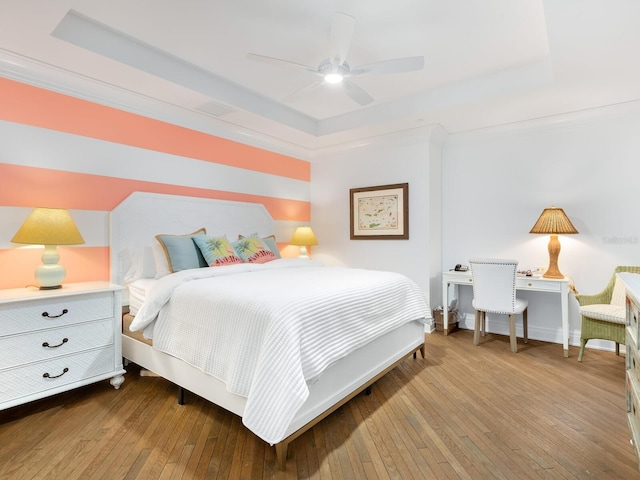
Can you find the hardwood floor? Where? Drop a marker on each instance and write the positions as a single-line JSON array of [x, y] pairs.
[[464, 412]]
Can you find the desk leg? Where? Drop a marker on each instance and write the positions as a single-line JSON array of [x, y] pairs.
[[445, 309], [565, 320]]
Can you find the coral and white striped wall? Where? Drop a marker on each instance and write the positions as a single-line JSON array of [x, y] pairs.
[[61, 151]]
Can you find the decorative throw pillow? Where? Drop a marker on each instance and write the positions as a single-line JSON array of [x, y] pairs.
[[217, 251], [181, 252], [253, 250], [269, 241]]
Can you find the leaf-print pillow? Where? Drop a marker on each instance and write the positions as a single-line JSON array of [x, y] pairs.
[[269, 241], [217, 251], [253, 250]]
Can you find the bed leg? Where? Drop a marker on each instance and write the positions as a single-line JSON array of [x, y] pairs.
[[282, 449], [180, 396], [423, 352]]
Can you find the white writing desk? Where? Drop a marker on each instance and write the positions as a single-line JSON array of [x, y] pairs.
[[536, 284]]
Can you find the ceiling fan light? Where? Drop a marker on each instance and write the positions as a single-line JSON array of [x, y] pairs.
[[333, 78]]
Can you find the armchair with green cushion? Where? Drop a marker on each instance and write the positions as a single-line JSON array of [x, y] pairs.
[[603, 314]]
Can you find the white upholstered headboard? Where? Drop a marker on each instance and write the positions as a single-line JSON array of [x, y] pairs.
[[141, 216]]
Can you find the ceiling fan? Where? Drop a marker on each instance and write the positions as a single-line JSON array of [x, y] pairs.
[[335, 70]]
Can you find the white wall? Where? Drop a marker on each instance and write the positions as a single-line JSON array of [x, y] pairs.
[[493, 186], [413, 157], [498, 181]]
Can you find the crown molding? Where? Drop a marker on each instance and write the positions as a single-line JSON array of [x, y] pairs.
[[566, 121], [425, 134], [50, 77]]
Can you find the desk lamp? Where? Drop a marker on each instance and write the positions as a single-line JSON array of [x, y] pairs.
[[49, 227], [553, 221], [303, 236]]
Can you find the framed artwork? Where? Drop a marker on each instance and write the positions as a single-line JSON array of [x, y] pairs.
[[380, 213]]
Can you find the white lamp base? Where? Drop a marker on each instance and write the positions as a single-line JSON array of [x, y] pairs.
[[303, 252], [50, 275]]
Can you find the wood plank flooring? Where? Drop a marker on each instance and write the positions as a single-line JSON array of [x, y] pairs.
[[464, 412]]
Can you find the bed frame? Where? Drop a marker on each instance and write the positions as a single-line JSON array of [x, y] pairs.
[[142, 215]]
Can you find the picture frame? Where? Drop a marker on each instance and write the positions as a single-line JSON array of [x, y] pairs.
[[380, 212]]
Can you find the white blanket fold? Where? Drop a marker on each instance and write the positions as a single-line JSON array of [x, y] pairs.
[[266, 330]]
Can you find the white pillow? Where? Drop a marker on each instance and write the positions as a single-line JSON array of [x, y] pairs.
[[162, 265], [141, 266], [148, 263]]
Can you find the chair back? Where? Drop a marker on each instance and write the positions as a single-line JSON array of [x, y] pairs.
[[608, 293], [494, 284]]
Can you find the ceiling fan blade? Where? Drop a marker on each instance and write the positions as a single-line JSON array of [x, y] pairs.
[[397, 65], [342, 26], [280, 62], [357, 94], [303, 92]]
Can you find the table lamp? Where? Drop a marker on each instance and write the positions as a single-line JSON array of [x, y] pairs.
[[303, 236], [49, 227], [553, 221]]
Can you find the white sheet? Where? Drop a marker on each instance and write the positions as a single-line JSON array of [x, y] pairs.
[[265, 330], [138, 291]]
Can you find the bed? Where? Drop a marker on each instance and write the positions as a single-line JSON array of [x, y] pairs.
[[316, 337]]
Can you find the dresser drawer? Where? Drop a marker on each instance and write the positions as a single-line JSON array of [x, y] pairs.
[[633, 322], [632, 357], [633, 403], [45, 344], [42, 376], [54, 312], [538, 284]]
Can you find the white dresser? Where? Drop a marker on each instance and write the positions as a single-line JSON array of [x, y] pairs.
[[632, 284], [52, 341]]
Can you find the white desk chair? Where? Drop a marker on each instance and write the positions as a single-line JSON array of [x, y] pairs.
[[494, 291]]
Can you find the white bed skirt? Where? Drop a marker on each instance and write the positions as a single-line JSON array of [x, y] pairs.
[[338, 381]]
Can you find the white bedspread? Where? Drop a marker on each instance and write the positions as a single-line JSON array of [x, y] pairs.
[[266, 330]]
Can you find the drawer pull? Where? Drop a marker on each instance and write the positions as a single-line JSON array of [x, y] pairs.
[[46, 375], [46, 344], [46, 314]]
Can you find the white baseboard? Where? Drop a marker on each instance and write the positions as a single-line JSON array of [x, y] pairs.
[[553, 335]]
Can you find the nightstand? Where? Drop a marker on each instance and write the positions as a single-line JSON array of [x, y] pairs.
[[52, 341]]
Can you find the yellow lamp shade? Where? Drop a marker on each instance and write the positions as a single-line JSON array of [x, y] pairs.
[[303, 236], [49, 227]]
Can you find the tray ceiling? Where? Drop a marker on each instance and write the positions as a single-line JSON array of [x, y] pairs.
[[485, 63]]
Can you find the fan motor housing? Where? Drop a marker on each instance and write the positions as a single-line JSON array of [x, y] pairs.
[[326, 68]]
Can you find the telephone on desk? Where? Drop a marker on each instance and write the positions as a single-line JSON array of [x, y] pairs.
[[461, 268]]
